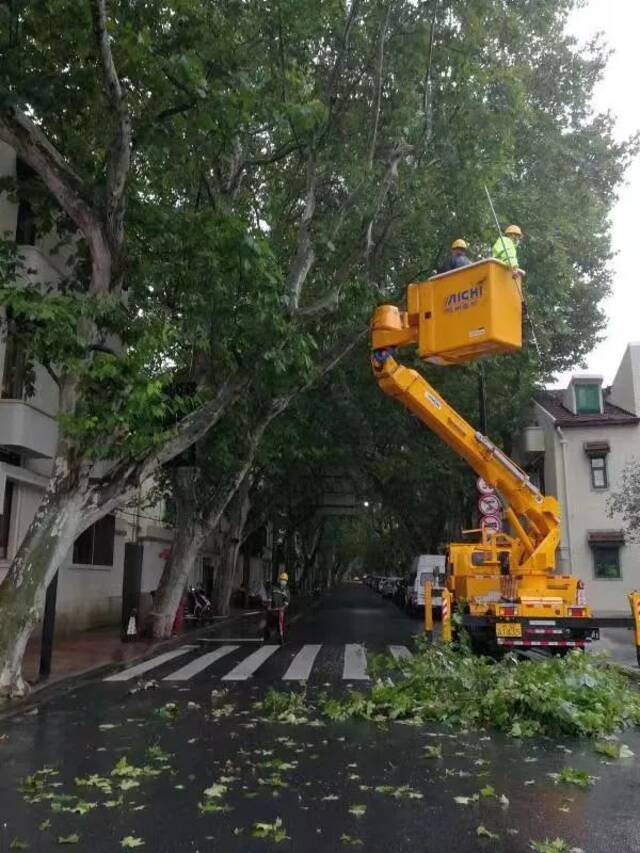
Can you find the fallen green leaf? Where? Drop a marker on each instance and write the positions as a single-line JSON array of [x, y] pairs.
[[358, 810], [131, 841], [483, 832], [466, 801], [74, 838], [571, 776], [273, 831], [558, 845], [350, 841]]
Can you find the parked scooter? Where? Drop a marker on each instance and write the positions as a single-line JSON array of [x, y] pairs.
[[199, 606]]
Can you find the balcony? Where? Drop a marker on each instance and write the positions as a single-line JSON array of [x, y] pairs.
[[27, 430]]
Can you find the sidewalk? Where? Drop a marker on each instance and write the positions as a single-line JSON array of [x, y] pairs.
[[89, 650]]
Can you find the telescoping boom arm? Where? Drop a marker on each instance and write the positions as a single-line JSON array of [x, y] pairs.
[[534, 518]]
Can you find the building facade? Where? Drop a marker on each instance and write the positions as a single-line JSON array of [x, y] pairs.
[[577, 444], [91, 577]]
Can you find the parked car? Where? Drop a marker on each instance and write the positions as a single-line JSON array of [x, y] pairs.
[[427, 567], [388, 587]]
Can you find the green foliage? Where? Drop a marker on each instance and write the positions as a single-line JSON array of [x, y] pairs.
[[613, 749], [222, 141], [571, 776], [285, 707], [274, 832], [574, 695], [626, 500], [558, 845]]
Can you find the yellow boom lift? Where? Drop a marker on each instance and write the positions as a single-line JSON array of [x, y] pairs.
[[504, 586]]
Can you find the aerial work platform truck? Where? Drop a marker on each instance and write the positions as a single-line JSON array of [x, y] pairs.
[[504, 586]]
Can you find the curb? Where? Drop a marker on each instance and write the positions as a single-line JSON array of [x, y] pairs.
[[41, 693]]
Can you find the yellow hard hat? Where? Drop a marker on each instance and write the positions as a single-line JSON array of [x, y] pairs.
[[283, 576], [513, 231], [459, 244]]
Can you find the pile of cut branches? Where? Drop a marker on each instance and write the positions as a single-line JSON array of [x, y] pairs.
[[577, 695]]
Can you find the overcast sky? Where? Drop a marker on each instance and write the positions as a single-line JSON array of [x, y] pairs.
[[619, 20]]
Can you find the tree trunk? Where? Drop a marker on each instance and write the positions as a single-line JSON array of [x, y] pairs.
[[189, 536], [237, 516], [51, 534]]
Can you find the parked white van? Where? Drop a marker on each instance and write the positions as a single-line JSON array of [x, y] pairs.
[[425, 567]]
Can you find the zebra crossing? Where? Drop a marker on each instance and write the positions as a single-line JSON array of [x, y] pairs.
[[300, 668]]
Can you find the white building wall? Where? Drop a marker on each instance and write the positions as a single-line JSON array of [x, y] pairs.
[[88, 596], [625, 390], [585, 509], [588, 510]]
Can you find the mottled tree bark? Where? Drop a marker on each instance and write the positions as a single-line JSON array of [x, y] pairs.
[[189, 536], [237, 515]]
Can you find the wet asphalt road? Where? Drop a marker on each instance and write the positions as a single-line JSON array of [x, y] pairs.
[[308, 776]]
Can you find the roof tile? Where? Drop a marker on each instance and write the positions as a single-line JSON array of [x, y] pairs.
[[612, 415]]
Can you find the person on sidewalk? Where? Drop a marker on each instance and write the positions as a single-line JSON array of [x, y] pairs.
[[277, 602]]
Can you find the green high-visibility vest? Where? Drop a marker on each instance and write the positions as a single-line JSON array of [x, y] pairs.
[[506, 250]]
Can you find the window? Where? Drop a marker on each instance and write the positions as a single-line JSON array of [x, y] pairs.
[[5, 520], [94, 547], [587, 399], [15, 369], [599, 479], [606, 560], [26, 225]]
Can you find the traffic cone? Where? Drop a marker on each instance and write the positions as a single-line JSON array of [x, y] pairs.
[[132, 628]]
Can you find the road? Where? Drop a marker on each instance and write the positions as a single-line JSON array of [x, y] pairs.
[[315, 778]]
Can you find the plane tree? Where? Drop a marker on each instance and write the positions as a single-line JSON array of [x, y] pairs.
[[238, 183]]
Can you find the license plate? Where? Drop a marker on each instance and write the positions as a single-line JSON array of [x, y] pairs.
[[508, 629]]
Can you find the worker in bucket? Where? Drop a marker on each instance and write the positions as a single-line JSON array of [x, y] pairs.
[[458, 257], [505, 248]]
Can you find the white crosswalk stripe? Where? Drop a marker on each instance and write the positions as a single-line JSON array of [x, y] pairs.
[[246, 668], [150, 664], [400, 652], [195, 666], [355, 663], [302, 664], [300, 668]]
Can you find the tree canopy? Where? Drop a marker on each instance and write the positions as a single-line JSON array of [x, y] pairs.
[[234, 184]]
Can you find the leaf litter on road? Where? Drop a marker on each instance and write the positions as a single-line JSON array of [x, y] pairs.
[[571, 776], [272, 831], [483, 832], [350, 840], [558, 845], [131, 841]]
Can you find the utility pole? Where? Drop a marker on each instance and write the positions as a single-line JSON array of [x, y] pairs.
[[48, 627]]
